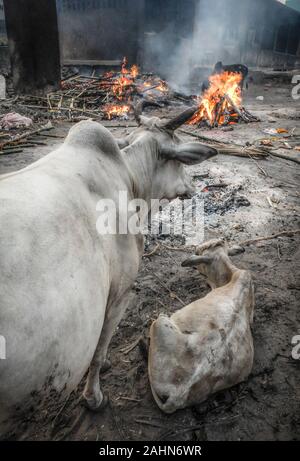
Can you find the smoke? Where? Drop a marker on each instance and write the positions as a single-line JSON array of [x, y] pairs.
[[250, 32], [182, 40], [212, 37]]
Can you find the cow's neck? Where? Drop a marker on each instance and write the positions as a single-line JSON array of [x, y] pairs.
[[142, 160]]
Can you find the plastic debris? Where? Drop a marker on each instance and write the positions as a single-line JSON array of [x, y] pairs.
[[282, 130]]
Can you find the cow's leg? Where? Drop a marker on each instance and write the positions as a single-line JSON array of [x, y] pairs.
[[92, 393]]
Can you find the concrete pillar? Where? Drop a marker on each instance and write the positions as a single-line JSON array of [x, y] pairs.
[[33, 44]]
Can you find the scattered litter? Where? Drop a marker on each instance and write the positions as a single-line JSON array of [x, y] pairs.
[[287, 145], [275, 198], [260, 98], [270, 131], [282, 130], [14, 120], [266, 142]]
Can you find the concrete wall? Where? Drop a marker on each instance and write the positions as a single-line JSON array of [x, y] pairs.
[[3, 37], [168, 36], [100, 29]]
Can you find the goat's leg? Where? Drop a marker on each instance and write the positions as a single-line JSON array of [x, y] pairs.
[[92, 392]]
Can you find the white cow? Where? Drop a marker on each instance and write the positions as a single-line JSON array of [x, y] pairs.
[[63, 286], [206, 346]]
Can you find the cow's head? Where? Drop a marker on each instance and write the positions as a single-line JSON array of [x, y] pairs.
[[156, 140]]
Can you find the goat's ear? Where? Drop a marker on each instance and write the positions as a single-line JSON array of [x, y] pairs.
[[189, 153], [122, 143], [235, 250], [196, 260]]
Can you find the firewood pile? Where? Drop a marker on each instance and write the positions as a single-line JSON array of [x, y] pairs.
[[221, 103], [114, 94], [108, 96]]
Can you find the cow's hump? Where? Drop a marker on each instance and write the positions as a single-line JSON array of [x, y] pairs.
[[93, 135]]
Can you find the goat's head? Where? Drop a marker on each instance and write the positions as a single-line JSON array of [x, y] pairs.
[[212, 260], [170, 179]]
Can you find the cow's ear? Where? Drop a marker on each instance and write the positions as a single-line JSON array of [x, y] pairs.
[[189, 153], [196, 260]]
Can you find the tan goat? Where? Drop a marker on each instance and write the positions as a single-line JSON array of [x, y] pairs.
[[206, 346]]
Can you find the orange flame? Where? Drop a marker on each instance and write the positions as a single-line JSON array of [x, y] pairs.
[[112, 111], [154, 84], [134, 71], [121, 86], [163, 87], [217, 102]]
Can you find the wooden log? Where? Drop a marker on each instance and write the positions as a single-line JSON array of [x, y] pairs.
[[235, 107], [12, 151], [218, 112], [245, 115]]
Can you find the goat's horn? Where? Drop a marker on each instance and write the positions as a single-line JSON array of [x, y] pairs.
[[196, 260], [181, 119]]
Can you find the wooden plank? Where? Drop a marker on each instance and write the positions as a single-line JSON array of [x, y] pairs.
[[91, 62]]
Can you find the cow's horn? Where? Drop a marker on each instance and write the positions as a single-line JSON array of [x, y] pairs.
[[181, 119], [140, 106]]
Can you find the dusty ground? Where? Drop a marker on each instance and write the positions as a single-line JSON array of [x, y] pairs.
[[267, 405]]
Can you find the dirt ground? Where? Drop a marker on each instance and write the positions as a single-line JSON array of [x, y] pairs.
[[267, 405]]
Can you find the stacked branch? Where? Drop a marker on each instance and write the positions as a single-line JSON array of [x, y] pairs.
[[107, 96]]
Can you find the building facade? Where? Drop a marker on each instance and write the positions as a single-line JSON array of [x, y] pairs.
[[172, 36]]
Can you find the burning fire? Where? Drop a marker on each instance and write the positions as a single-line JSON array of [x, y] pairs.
[[163, 87], [122, 86], [221, 101], [154, 84], [134, 71], [112, 111]]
